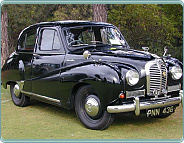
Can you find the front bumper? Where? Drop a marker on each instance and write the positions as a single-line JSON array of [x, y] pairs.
[[137, 106]]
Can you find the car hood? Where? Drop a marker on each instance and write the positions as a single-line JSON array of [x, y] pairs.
[[130, 58]]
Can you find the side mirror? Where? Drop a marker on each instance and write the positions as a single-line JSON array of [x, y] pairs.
[[86, 54]]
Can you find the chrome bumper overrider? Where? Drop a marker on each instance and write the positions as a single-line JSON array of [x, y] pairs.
[[137, 105]]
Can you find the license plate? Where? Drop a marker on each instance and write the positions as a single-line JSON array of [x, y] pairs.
[[160, 111]]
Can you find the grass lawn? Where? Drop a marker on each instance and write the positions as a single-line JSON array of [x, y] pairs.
[[44, 121]]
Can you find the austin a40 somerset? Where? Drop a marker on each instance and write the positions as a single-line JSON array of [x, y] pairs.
[[89, 67]]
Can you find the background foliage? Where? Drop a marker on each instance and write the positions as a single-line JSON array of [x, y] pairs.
[[154, 26], [151, 25]]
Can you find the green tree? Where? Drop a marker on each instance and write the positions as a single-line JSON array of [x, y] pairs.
[[73, 12], [23, 15], [174, 12], [144, 25]]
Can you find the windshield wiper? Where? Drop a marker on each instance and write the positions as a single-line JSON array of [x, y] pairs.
[[82, 47], [119, 47], [78, 45], [92, 47]]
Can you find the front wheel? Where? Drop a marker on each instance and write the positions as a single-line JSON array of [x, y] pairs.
[[89, 111], [18, 98]]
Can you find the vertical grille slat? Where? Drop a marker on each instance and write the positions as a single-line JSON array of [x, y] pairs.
[[157, 77]]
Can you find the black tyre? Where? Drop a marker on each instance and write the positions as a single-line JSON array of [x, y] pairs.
[[18, 98], [89, 111]]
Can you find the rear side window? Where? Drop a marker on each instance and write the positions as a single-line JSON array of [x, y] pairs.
[[49, 40], [27, 41]]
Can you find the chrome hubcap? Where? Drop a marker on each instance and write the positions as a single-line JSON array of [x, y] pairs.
[[92, 106], [16, 90]]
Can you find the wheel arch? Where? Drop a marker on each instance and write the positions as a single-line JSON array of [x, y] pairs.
[[5, 84], [75, 89], [106, 92]]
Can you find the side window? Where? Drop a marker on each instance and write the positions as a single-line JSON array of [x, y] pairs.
[[56, 42], [49, 40], [27, 41], [30, 41]]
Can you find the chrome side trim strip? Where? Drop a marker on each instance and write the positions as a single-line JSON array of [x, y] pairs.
[[50, 53], [21, 86], [70, 60], [41, 96], [32, 53], [137, 105]]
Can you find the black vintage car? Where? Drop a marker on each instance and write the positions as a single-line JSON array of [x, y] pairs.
[[89, 67]]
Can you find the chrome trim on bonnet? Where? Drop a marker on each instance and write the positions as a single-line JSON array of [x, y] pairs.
[[137, 105]]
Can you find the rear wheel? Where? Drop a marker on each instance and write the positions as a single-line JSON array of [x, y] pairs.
[[18, 98], [89, 111]]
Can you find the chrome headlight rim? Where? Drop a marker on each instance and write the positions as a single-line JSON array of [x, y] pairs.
[[132, 77], [176, 72]]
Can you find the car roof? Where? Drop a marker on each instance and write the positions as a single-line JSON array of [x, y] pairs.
[[65, 23], [72, 23]]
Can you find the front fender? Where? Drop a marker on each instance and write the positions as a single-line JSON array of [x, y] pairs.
[[105, 80]]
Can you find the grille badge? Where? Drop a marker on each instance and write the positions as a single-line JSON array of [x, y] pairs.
[[164, 74]]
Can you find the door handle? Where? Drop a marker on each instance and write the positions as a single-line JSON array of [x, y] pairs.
[[37, 56]]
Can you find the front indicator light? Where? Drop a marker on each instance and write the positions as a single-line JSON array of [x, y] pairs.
[[121, 96]]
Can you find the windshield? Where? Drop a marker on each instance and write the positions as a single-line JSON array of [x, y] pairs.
[[94, 35]]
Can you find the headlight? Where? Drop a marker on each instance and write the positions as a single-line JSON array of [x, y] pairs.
[[132, 77], [176, 72]]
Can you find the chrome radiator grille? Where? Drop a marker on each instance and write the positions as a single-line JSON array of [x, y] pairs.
[[156, 77]]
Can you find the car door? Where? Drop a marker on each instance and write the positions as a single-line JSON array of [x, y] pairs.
[[47, 62], [26, 45]]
